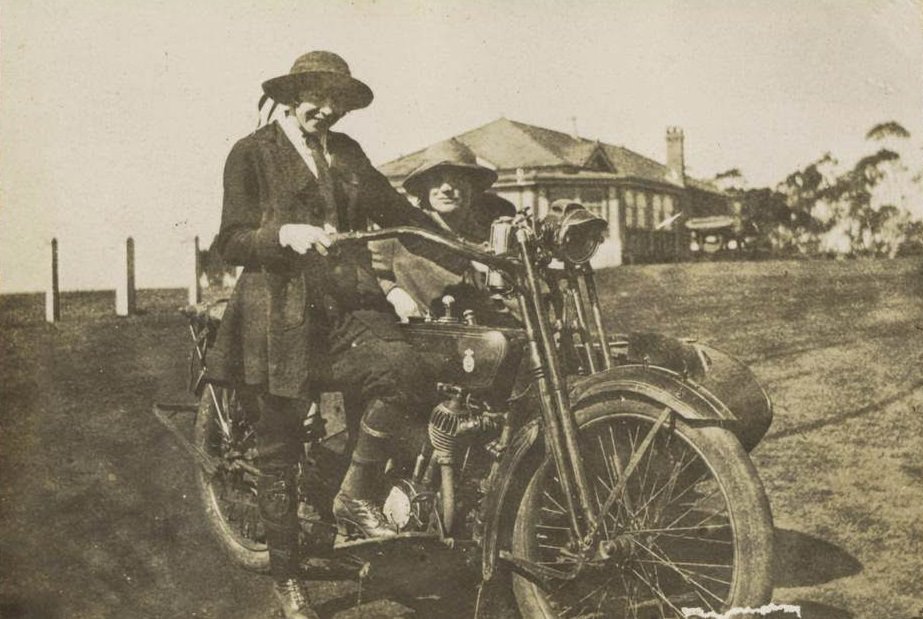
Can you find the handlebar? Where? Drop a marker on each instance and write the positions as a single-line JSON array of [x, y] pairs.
[[467, 249]]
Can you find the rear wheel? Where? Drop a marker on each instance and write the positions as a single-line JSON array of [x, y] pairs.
[[223, 431], [691, 529]]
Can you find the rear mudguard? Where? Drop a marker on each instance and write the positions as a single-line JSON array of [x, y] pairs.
[[702, 385]]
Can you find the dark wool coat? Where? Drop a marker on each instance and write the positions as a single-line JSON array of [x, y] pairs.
[[274, 329]]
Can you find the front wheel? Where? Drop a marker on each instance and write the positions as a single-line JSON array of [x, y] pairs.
[[223, 431], [692, 528]]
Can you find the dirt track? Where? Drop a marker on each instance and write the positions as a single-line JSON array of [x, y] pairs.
[[98, 516]]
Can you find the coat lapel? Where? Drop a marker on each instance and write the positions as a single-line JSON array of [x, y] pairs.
[[293, 160], [305, 204], [348, 182]]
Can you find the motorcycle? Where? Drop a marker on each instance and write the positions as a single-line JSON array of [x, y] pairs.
[[589, 474]]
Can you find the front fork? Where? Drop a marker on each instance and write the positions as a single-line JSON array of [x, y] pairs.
[[560, 425]]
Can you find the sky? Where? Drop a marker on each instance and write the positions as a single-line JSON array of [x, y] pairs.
[[116, 115]]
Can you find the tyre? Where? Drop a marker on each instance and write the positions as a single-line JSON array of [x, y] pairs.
[[692, 528], [223, 431]]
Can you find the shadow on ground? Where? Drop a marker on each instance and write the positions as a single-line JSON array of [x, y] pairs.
[[850, 414], [424, 576], [816, 610], [803, 560]]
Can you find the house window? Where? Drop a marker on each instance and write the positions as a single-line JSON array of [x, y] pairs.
[[657, 208], [667, 207], [561, 193], [594, 199], [642, 210], [629, 209]]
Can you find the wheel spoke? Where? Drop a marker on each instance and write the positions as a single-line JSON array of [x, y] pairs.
[[647, 467], [656, 581], [699, 528], [219, 411], [548, 526], [558, 505], [689, 487], [633, 463], [599, 505], [684, 574], [605, 457], [660, 594], [659, 492], [707, 540], [685, 513], [701, 575]]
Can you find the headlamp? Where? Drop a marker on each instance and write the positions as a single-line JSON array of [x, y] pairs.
[[571, 232]]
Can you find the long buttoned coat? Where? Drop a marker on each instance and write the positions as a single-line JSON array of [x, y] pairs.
[[273, 330]]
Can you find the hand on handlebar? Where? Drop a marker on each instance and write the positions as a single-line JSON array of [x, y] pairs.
[[403, 303], [303, 237]]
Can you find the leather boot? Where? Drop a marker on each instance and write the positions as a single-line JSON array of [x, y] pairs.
[[294, 600], [277, 501], [360, 518]]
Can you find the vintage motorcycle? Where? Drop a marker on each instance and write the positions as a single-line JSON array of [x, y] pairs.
[[590, 474]]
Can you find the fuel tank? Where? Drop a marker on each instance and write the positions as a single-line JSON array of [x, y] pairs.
[[482, 359]]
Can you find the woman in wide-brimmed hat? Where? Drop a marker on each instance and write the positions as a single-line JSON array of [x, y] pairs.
[[296, 310], [450, 186]]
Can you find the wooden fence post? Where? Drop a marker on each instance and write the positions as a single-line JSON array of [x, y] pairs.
[[195, 288], [53, 292], [130, 275], [125, 286]]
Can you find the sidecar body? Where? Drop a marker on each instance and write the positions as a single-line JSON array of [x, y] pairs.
[[727, 383]]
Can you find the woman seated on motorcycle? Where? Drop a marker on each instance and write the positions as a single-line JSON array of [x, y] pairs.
[[451, 188]]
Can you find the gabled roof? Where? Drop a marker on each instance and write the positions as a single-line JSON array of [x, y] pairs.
[[507, 145], [599, 160]]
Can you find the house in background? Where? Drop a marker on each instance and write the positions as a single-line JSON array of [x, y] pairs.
[[645, 202]]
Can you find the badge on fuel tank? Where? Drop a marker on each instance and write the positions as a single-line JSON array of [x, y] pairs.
[[468, 361]]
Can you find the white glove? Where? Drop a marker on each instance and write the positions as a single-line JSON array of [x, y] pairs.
[[403, 303], [302, 237]]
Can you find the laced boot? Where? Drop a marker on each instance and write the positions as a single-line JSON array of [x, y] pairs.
[[293, 599], [355, 507], [360, 518]]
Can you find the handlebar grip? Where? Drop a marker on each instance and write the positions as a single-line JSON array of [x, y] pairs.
[[341, 237]]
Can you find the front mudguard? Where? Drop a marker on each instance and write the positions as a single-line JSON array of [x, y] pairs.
[[704, 386]]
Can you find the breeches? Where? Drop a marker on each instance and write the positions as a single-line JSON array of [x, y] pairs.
[[387, 390]]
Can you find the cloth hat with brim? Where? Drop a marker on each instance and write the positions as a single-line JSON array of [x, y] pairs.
[[320, 72], [448, 155]]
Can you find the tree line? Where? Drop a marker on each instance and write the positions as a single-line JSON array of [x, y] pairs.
[[873, 208]]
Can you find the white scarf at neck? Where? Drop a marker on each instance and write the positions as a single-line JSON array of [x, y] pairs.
[[293, 132]]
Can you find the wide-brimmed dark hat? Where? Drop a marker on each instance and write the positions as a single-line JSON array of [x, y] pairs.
[[450, 154], [321, 72]]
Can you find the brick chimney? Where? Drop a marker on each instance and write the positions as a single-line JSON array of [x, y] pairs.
[[676, 161]]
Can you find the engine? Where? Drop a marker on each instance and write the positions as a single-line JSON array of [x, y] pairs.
[[455, 424], [455, 421]]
